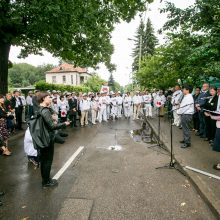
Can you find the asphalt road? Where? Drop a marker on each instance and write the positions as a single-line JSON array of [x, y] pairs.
[[103, 185]]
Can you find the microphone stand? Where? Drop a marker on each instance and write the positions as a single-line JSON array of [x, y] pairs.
[[172, 162]]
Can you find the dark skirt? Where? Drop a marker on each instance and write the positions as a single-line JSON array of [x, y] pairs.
[[216, 146], [3, 130]]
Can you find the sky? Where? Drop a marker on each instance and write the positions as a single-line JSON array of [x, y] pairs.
[[122, 46]]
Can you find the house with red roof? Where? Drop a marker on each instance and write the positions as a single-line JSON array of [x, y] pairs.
[[67, 74]]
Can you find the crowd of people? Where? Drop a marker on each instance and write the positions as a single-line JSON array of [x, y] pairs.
[[197, 112]]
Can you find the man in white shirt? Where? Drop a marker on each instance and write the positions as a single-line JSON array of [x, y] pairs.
[[102, 105], [29, 103], [175, 101], [137, 100], [127, 105], [186, 110], [119, 102], [84, 107]]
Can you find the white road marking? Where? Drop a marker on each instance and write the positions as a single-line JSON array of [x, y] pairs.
[[67, 164], [203, 172]]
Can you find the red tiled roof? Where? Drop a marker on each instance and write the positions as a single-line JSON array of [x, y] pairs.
[[65, 67]]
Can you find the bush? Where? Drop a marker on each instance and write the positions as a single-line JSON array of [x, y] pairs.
[[43, 86]]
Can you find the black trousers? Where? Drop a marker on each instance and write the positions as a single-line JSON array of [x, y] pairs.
[[73, 119], [210, 128], [18, 115], [196, 121], [46, 160]]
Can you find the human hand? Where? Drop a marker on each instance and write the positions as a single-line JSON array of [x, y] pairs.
[[67, 123]]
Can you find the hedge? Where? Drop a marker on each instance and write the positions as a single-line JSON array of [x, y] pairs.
[[43, 86]]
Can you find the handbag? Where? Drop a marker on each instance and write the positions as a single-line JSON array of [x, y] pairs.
[[40, 134]]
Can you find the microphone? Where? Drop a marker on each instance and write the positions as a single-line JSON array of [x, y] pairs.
[[209, 97]]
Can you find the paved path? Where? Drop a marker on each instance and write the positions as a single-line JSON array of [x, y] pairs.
[[199, 156], [103, 184]]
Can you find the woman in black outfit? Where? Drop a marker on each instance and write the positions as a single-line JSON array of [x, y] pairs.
[[46, 154], [4, 134], [211, 105]]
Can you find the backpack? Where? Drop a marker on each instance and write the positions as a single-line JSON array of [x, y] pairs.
[[40, 134]]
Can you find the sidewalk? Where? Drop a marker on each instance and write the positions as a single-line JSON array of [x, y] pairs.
[[199, 156]]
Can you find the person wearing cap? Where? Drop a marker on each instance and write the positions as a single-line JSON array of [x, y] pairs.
[[102, 105], [29, 102], [137, 105], [159, 102], [114, 105], [127, 105], [119, 103], [84, 107], [63, 108], [94, 108], [147, 104]]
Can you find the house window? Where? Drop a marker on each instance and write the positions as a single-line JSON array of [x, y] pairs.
[[64, 79], [54, 79], [81, 79], [72, 79]]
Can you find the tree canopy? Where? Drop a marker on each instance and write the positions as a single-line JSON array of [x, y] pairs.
[[73, 30], [192, 51]]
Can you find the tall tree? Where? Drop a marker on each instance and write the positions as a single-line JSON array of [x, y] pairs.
[[111, 82], [145, 43], [70, 29]]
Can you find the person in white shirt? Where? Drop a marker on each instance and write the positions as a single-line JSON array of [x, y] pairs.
[[84, 107], [147, 104], [127, 105], [159, 103], [94, 109], [186, 110], [114, 109], [63, 108], [119, 103], [102, 105], [108, 110], [29, 103], [175, 101], [137, 105]]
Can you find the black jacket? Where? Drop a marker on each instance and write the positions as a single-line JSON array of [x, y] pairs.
[[72, 105], [212, 104], [49, 123]]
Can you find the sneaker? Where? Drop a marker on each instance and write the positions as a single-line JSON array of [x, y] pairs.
[[50, 183], [182, 142]]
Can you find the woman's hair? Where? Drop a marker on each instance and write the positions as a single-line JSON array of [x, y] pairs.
[[213, 87], [1, 96], [42, 96]]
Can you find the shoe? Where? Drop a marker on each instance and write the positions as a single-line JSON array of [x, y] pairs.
[[50, 183], [180, 127], [216, 166], [34, 162], [202, 136], [2, 193], [185, 145], [182, 142], [211, 142], [75, 126], [206, 139]]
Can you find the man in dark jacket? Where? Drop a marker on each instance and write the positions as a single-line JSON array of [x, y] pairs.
[[200, 103], [73, 103]]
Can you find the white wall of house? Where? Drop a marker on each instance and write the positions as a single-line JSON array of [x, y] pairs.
[[67, 78]]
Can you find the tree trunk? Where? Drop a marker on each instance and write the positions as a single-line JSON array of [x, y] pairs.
[[4, 56]]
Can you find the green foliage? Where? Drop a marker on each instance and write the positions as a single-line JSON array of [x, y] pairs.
[[146, 41], [43, 86], [94, 83], [111, 83], [23, 74], [192, 51]]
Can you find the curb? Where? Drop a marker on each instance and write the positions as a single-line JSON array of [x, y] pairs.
[[207, 197]]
